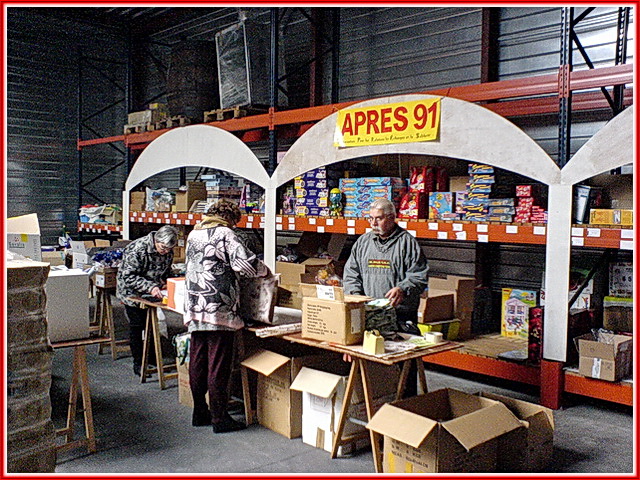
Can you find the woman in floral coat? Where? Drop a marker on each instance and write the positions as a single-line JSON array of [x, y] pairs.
[[214, 259]]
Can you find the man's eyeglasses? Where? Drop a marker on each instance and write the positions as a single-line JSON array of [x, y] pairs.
[[377, 219]]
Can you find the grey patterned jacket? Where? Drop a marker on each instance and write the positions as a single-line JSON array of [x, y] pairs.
[[142, 269], [215, 259]]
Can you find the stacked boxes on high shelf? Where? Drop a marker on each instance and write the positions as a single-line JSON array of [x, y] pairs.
[[531, 204], [359, 193], [312, 193], [476, 206], [423, 182], [138, 201], [221, 185]]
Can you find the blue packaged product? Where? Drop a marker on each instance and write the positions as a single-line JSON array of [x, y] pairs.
[[475, 168]]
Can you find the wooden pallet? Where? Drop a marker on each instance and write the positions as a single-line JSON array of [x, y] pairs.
[[135, 128], [176, 121], [221, 114]]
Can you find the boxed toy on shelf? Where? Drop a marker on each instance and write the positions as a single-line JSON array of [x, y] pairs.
[[515, 311]]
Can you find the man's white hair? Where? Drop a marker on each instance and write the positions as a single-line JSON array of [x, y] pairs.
[[387, 206]]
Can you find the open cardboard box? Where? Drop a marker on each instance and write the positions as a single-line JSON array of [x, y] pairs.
[[330, 315], [23, 236], [278, 407], [436, 305], [442, 431], [530, 448], [463, 299]]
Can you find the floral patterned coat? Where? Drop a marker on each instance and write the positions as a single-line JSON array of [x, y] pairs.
[[214, 259]]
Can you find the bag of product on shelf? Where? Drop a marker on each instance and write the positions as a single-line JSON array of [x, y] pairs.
[[414, 204]]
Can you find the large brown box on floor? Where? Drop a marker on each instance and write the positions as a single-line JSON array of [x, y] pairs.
[[291, 273], [339, 320], [278, 408], [605, 361], [442, 431], [464, 288], [530, 448], [195, 191]]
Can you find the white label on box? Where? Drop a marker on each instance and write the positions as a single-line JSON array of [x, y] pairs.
[[538, 230], [483, 238], [292, 220], [278, 226], [577, 241], [593, 232], [433, 226], [356, 320], [461, 235], [278, 219], [402, 224], [325, 292], [312, 221], [626, 233], [457, 227], [351, 223], [577, 232], [413, 233], [595, 368], [249, 218], [320, 229], [482, 227], [442, 235], [351, 231], [511, 229], [329, 221], [626, 244]]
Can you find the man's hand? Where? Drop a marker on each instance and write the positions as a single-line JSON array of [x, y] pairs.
[[156, 292], [395, 295]]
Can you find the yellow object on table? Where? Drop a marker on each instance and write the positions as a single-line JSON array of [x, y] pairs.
[[373, 342]]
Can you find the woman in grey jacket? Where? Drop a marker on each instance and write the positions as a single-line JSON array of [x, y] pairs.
[[214, 259]]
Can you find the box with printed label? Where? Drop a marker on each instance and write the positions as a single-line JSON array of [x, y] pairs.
[[105, 277], [175, 294], [23, 236], [442, 431], [330, 315], [515, 312], [185, 198], [323, 397], [464, 288], [608, 359]]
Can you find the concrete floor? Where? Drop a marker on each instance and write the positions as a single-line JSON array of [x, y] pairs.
[[142, 429]]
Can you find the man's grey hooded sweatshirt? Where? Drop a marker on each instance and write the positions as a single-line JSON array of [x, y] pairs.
[[375, 266]]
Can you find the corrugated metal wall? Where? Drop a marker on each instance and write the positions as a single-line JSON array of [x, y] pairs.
[[42, 72]]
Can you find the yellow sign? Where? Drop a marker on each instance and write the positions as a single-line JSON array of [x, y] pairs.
[[417, 121]]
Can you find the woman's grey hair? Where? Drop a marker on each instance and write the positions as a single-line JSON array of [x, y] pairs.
[[167, 235], [387, 206]]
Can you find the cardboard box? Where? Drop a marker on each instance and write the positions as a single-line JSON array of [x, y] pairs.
[[529, 448], [80, 255], [323, 397], [621, 279], [464, 288], [278, 407], [105, 277], [605, 361], [435, 305], [618, 314], [289, 296], [330, 315], [67, 305], [515, 312], [294, 273], [184, 389], [442, 431], [185, 198], [23, 236], [54, 258], [175, 294]]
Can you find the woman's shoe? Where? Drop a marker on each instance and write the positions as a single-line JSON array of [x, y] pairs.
[[228, 424], [201, 418]]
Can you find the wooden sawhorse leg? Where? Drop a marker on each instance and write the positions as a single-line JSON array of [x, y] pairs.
[[152, 334], [79, 381], [107, 327], [404, 377]]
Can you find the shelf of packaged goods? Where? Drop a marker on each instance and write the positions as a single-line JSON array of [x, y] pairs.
[[582, 235], [617, 392], [602, 236], [99, 227]]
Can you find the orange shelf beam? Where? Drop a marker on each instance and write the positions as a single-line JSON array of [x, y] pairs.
[[99, 227], [617, 392]]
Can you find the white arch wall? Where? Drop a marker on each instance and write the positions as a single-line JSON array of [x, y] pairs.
[[611, 147], [194, 146]]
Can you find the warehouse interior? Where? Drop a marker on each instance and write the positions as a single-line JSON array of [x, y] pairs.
[[109, 114]]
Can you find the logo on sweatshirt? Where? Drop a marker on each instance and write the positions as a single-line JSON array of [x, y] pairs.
[[372, 263]]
